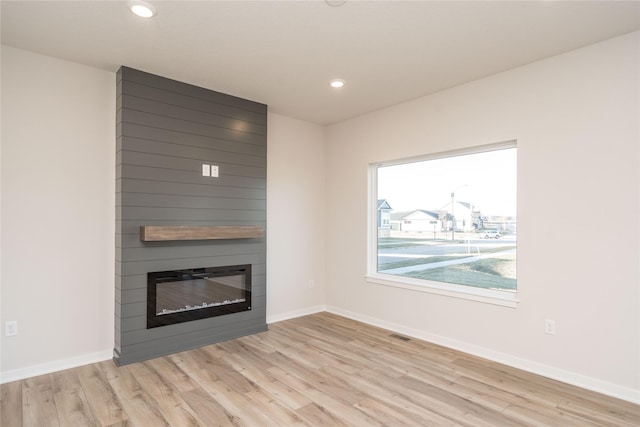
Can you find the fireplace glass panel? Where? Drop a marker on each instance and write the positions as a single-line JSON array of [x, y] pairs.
[[184, 295]]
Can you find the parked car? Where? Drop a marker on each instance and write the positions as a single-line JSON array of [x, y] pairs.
[[491, 235]]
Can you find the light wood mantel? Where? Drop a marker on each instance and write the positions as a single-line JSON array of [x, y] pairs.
[[158, 233]]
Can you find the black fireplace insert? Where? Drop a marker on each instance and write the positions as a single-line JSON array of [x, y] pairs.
[[190, 294]]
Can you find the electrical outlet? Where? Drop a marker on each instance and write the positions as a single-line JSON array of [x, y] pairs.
[[550, 327], [311, 284], [11, 328]]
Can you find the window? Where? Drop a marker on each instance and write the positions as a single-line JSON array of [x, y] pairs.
[[456, 223]]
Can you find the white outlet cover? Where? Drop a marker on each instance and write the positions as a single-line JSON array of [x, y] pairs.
[[11, 328], [550, 327], [214, 171]]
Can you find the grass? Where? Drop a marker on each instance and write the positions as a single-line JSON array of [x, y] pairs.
[[497, 272], [438, 258], [504, 266], [489, 273]]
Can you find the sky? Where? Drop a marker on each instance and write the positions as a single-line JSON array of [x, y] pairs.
[[487, 180]]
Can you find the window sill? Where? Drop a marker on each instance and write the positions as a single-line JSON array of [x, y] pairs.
[[487, 296]]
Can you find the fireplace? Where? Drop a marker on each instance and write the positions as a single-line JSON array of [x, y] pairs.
[[171, 217], [190, 294]]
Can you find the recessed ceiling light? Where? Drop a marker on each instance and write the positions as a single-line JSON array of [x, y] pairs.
[[336, 83], [142, 9]]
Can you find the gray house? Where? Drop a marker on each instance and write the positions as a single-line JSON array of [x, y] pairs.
[[384, 214]]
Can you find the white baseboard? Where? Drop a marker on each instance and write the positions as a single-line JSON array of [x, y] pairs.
[[579, 380], [296, 313], [57, 365]]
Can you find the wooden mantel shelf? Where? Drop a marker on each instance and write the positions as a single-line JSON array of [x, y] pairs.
[[158, 233]]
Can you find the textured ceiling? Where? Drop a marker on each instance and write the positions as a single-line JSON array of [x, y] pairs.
[[284, 53]]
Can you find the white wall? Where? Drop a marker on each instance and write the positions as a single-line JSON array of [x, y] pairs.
[[295, 218], [58, 215], [576, 120]]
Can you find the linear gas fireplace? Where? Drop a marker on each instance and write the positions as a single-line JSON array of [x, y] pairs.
[[190, 294]]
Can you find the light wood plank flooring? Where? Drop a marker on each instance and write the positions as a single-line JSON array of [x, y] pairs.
[[319, 370]]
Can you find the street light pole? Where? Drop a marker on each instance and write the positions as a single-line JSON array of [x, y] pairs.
[[453, 217]]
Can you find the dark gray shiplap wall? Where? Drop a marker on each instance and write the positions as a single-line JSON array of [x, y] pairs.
[[165, 131]]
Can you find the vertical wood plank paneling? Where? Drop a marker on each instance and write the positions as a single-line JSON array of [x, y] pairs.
[[165, 131]]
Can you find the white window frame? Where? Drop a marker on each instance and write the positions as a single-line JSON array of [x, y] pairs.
[[506, 299]]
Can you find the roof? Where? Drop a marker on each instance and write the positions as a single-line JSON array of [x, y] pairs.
[[397, 216], [466, 205], [383, 204]]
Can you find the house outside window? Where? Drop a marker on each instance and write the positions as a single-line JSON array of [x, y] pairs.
[[384, 217]]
